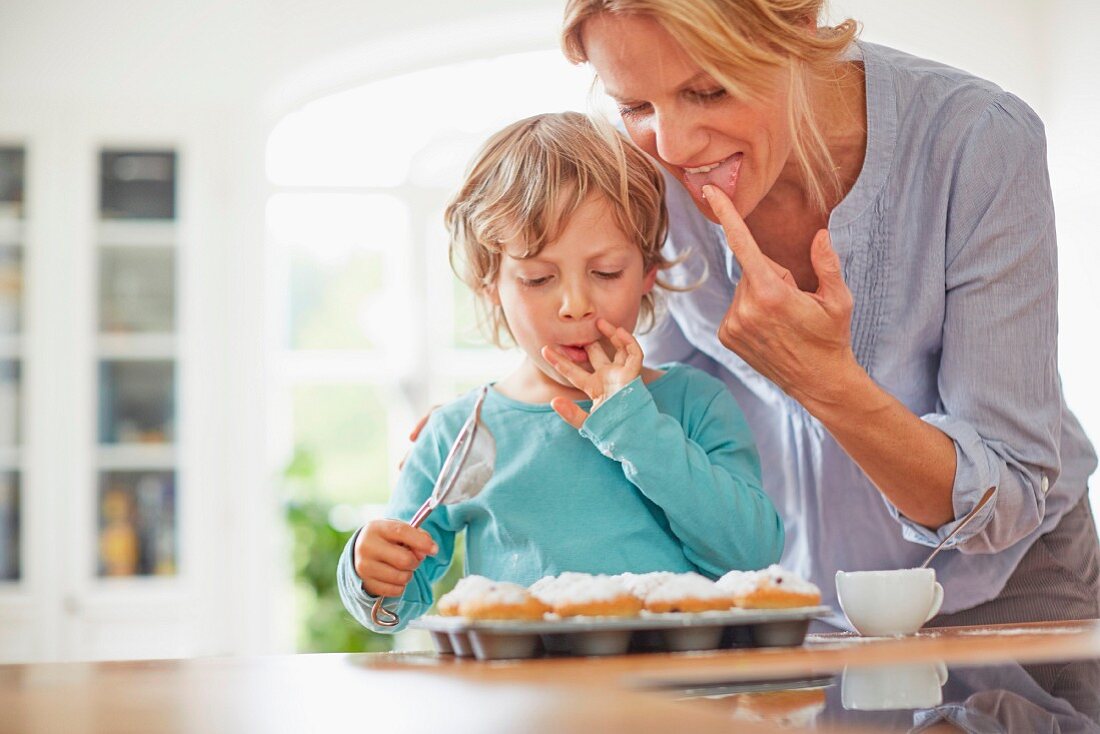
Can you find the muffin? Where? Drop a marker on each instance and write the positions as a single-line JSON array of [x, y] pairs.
[[770, 588], [580, 594], [466, 587], [687, 592], [502, 601]]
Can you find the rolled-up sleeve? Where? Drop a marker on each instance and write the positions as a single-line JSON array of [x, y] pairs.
[[999, 391]]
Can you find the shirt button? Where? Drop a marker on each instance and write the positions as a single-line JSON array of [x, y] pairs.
[[1045, 484]]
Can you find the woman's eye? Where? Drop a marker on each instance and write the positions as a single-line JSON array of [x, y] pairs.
[[710, 95], [609, 275], [628, 111], [534, 282]]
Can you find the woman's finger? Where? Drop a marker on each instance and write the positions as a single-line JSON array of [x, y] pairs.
[[738, 237], [420, 425], [569, 412], [832, 292]]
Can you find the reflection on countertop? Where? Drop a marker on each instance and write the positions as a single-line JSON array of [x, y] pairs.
[[923, 696]]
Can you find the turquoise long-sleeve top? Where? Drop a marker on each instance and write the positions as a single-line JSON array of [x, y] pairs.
[[662, 477]]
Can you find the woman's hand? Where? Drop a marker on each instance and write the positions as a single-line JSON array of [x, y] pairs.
[[800, 341], [607, 377], [386, 554]]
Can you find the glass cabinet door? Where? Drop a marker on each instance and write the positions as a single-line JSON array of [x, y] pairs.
[[136, 495], [12, 176], [137, 523], [136, 289]]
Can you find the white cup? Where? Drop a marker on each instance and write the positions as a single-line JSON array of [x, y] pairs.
[[897, 602], [887, 687]]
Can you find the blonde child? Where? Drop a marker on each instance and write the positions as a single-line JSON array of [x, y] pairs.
[[603, 465]]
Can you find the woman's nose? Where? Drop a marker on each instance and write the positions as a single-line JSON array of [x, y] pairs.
[[575, 303], [679, 138]]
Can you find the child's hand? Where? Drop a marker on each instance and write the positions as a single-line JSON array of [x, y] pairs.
[[386, 554], [608, 376]]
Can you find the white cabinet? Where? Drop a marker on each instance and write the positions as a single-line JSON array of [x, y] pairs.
[[116, 524]]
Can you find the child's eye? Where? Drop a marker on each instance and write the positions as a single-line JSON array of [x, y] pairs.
[[606, 275], [534, 282]]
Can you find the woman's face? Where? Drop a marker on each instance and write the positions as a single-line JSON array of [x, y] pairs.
[[681, 116]]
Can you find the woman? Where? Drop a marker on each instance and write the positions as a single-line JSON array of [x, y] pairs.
[[875, 236]]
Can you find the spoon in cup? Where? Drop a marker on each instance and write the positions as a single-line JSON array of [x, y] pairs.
[[962, 524]]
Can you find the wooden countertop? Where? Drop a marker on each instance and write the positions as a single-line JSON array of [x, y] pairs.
[[424, 692]]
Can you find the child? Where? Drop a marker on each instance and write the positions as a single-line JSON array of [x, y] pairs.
[[560, 225]]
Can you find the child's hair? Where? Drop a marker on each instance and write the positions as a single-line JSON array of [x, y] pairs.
[[530, 178]]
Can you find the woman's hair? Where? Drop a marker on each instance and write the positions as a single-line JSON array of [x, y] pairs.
[[734, 41], [529, 179]]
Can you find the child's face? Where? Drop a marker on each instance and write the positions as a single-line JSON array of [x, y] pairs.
[[592, 270]]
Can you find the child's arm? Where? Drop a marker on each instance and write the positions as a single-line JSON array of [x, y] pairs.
[[704, 474], [386, 555]]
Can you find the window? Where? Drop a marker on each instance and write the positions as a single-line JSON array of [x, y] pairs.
[[375, 328]]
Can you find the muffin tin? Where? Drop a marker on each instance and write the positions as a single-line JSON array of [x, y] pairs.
[[584, 636]]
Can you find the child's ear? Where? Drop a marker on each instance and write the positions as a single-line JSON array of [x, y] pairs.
[[650, 279], [492, 293]]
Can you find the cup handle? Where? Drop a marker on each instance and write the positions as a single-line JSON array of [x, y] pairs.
[[941, 672], [937, 601]]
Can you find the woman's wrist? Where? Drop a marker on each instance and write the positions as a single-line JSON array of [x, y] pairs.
[[845, 395]]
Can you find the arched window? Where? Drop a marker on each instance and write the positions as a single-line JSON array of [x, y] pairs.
[[375, 326]]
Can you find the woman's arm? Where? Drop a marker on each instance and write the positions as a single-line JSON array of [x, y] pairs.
[[999, 416], [802, 342]]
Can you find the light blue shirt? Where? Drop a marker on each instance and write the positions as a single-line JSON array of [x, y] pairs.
[[662, 477], [948, 245]]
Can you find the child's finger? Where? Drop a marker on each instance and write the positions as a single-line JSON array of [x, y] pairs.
[[631, 346], [597, 357], [381, 588], [566, 368], [569, 411], [396, 556], [402, 533], [383, 573], [606, 328]]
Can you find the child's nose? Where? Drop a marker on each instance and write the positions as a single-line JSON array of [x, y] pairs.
[[575, 304]]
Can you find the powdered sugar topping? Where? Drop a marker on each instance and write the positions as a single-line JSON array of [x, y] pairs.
[[579, 588], [641, 584], [685, 586], [739, 583]]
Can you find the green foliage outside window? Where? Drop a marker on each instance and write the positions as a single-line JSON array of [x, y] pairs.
[[323, 623]]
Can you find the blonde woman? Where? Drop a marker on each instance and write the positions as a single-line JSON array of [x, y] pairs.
[[881, 299], [603, 465]]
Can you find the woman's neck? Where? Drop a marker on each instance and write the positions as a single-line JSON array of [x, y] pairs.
[[839, 108]]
